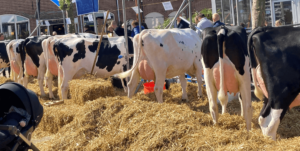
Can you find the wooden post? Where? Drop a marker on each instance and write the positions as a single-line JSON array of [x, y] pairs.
[[98, 48]]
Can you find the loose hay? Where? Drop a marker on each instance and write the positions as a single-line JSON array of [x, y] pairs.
[[89, 88], [140, 123]]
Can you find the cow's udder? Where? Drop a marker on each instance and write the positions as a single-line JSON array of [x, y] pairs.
[[53, 67], [30, 68], [15, 67], [231, 84], [146, 71]]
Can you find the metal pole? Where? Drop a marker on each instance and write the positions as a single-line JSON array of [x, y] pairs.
[[222, 11], [178, 12], [64, 19], [237, 13], [138, 1], [95, 24], [118, 11], [16, 29], [190, 13], [82, 23], [1, 30], [125, 33], [34, 30], [38, 14]]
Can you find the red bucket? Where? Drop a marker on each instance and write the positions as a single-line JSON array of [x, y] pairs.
[[149, 87]]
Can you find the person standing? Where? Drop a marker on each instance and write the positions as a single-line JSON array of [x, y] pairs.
[[203, 22], [181, 24], [216, 20], [1, 36], [136, 28]]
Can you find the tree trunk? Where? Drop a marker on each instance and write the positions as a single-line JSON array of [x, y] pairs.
[[70, 14], [258, 13]]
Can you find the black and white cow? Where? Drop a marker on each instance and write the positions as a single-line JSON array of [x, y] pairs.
[[275, 65], [75, 57], [4, 60], [14, 55], [33, 60], [226, 69]]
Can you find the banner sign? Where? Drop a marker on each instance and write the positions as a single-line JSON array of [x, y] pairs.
[[167, 5], [86, 6]]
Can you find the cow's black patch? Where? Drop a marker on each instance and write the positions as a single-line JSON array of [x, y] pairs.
[[182, 49], [118, 62], [143, 43], [33, 48], [3, 53], [108, 54], [181, 42], [161, 45], [62, 51], [80, 47], [192, 51]]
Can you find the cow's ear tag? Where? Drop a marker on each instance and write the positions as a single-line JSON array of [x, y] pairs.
[[120, 56]]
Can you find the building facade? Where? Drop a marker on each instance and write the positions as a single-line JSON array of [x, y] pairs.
[[18, 19], [235, 12]]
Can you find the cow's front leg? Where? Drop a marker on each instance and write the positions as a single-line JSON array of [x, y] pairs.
[[132, 84], [183, 86]]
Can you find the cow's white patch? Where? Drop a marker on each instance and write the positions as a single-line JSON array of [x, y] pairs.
[[269, 124], [222, 31]]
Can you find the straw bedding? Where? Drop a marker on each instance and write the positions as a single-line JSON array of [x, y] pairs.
[[89, 88], [140, 123]]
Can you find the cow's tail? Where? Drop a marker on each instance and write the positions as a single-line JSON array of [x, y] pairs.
[[8, 50], [253, 63], [137, 43], [220, 40]]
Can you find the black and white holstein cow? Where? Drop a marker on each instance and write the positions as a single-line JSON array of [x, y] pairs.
[[14, 55], [275, 65], [33, 60], [4, 59], [76, 57], [161, 54], [226, 69]]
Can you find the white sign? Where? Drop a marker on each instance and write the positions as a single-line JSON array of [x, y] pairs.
[[108, 17], [73, 1], [167, 5], [47, 23], [68, 20], [136, 9], [90, 16]]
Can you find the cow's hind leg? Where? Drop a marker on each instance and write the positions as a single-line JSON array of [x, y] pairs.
[[198, 67], [134, 80], [211, 94], [159, 84], [183, 86], [41, 74], [245, 99]]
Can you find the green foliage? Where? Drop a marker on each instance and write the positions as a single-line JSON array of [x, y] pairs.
[[62, 2], [207, 12], [165, 24]]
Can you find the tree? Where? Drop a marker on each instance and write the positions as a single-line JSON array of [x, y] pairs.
[[258, 13], [69, 13]]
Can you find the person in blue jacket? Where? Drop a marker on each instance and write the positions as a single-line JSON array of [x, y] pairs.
[[216, 20], [136, 28]]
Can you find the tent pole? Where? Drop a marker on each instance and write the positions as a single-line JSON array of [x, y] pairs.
[[190, 13], [138, 1], [180, 12]]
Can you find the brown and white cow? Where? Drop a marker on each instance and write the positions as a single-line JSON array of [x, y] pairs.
[[161, 54]]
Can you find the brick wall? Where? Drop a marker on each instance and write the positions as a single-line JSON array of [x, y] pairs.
[[27, 9]]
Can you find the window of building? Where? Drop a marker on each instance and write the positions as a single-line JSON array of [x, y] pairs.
[[14, 26]]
